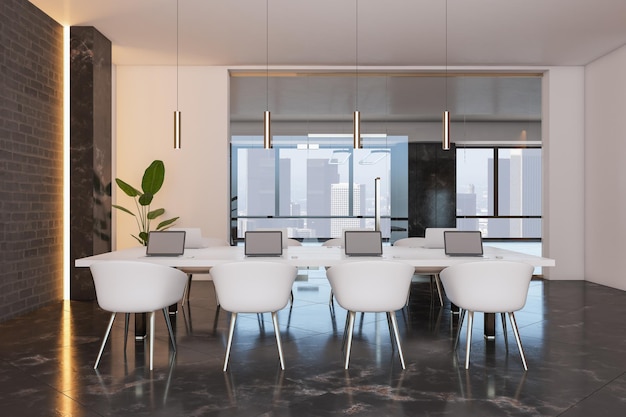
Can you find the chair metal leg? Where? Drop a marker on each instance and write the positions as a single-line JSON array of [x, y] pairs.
[[506, 336], [126, 323], [439, 290], [277, 333], [151, 340], [394, 324], [517, 338], [185, 298], [458, 331], [345, 331], [104, 341], [233, 320], [351, 314], [169, 328], [390, 326], [470, 323]]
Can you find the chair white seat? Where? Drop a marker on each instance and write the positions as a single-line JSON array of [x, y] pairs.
[[136, 287], [488, 287], [253, 287], [418, 242], [376, 286]]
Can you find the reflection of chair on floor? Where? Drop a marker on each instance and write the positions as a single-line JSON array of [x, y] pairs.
[[253, 287], [418, 242], [488, 287], [374, 287], [136, 287]]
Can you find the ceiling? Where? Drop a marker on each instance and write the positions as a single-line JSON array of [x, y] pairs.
[[397, 36], [326, 32]]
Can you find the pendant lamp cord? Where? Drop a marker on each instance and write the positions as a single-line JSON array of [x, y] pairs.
[[356, 99], [177, 55], [267, 55], [446, 50]]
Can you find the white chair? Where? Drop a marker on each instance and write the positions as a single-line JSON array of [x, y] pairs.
[[418, 242], [433, 237], [488, 287], [136, 287], [333, 243], [373, 286], [253, 287]]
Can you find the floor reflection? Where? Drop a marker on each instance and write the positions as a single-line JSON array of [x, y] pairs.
[[572, 334]]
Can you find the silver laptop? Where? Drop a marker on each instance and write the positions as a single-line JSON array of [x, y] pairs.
[[263, 243], [363, 243], [463, 243], [166, 243]]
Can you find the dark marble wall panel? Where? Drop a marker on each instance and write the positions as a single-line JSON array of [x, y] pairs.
[[90, 152], [432, 187]]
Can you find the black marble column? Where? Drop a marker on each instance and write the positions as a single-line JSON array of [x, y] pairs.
[[432, 187], [90, 152]]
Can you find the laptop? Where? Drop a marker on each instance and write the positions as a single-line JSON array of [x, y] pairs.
[[166, 243], [433, 237], [193, 236], [463, 243], [263, 243], [363, 243]]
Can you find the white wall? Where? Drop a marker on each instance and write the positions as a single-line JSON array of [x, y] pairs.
[[196, 184], [563, 171], [605, 170]]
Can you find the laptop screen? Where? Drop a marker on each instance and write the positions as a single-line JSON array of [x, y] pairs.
[[363, 243], [166, 243], [263, 243], [463, 243]]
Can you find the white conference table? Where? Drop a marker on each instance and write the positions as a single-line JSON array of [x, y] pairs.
[[311, 256], [423, 259]]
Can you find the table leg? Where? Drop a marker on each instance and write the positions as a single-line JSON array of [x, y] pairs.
[[490, 326], [140, 327]]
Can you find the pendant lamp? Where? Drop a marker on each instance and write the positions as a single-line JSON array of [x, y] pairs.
[[356, 117], [267, 131], [177, 115], [445, 141]]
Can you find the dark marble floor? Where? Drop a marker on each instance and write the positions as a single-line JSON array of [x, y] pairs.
[[573, 334]]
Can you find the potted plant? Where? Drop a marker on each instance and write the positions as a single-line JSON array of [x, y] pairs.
[[151, 183]]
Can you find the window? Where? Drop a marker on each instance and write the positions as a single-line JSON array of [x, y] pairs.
[[314, 187], [499, 191]]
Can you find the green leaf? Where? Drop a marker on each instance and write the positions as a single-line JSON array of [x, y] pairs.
[[155, 213], [127, 188], [139, 240], [144, 237], [146, 199], [153, 177], [166, 223], [124, 209]]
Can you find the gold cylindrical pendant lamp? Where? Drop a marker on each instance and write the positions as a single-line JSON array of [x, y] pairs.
[[267, 131], [177, 130], [445, 142], [356, 130]]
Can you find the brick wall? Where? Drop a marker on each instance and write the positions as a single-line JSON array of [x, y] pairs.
[[31, 155]]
